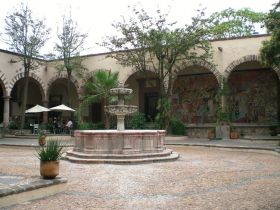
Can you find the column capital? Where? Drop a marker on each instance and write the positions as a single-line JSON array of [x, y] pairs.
[[45, 101]]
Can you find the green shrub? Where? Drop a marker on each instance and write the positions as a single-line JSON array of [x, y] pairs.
[[113, 121], [90, 126], [51, 152], [137, 121], [232, 128], [49, 126], [84, 126], [13, 125], [26, 126], [98, 126], [177, 127]]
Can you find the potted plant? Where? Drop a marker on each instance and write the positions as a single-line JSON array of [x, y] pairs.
[[211, 133], [49, 156], [42, 138], [233, 132], [273, 130]]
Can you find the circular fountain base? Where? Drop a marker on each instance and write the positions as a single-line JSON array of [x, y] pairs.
[[120, 147]]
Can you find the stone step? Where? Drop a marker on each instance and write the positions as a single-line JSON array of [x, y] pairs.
[[262, 138], [171, 157], [163, 153], [26, 189]]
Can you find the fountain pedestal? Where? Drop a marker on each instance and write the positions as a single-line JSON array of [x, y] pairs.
[[120, 122]]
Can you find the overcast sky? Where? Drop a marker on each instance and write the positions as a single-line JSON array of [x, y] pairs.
[[96, 16]]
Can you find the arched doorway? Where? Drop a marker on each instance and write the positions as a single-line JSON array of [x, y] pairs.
[[58, 94], [145, 86], [194, 95], [35, 96]]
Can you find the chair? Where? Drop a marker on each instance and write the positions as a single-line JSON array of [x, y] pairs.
[[35, 128]]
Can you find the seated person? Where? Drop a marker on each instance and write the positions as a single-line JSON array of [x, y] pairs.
[[55, 126]]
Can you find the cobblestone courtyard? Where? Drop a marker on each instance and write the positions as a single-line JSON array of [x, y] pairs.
[[203, 178]]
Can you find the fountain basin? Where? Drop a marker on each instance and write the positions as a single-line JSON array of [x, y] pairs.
[[120, 91], [121, 109], [119, 142], [120, 147]]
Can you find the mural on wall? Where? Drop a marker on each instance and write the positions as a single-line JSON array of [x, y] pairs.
[[194, 98], [254, 96]]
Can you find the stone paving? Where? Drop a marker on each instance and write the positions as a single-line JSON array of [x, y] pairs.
[[203, 178]]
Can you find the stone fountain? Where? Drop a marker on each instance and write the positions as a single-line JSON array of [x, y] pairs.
[[120, 110], [120, 146]]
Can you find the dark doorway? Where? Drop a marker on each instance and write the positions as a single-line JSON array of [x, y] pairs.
[[151, 100], [96, 110]]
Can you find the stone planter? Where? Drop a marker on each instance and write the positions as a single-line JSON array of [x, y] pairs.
[[49, 169]]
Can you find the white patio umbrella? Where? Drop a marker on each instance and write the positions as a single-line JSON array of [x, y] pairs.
[[62, 107], [37, 109]]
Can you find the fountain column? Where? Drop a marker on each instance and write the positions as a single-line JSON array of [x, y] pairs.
[[120, 117], [120, 122]]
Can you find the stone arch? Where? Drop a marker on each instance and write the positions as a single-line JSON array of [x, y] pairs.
[[32, 75], [211, 67], [244, 59], [62, 76], [4, 84], [130, 73]]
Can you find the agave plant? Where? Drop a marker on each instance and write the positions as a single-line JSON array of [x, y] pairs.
[[51, 152]]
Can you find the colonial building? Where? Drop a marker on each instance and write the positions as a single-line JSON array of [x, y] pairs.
[[254, 89]]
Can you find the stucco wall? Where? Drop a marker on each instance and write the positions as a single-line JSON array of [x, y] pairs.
[[235, 49], [225, 53]]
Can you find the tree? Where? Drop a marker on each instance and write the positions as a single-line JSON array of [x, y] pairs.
[[234, 23], [98, 89], [69, 46], [270, 51], [152, 43], [26, 36]]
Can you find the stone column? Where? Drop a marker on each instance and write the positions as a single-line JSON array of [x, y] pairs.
[[45, 114], [223, 98], [6, 111]]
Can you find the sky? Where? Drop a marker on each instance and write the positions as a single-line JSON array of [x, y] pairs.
[[95, 17]]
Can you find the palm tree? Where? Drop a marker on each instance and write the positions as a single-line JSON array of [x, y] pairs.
[[98, 89]]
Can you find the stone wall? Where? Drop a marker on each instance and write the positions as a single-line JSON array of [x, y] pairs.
[[201, 131]]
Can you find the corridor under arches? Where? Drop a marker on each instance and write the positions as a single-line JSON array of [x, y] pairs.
[[254, 93], [194, 95]]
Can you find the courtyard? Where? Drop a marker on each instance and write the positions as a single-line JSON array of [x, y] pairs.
[[202, 178]]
